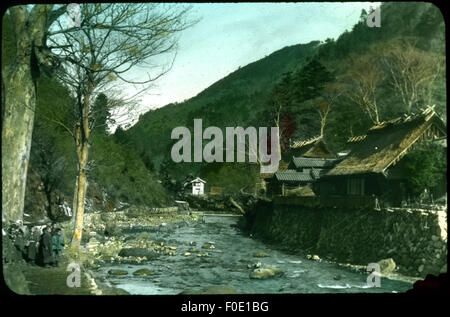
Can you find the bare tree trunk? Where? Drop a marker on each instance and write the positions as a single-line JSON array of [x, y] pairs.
[[48, 195], [323, 121], [19, 104], [375, 110], [322, 127], [82, 144], [81, 194], [280, 132], [17, 128], [234, 203], [74, 202]]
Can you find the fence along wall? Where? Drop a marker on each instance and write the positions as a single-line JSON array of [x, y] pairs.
[[415, 239]]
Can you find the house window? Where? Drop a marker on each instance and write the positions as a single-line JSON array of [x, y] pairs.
[[355, 186]]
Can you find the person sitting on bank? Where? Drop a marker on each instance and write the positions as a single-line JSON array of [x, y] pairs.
[[57, 246]]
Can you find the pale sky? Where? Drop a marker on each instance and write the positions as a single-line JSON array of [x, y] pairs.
[[230, 35]]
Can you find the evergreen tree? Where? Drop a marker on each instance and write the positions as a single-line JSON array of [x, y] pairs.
[[425, 167], [101, 115]]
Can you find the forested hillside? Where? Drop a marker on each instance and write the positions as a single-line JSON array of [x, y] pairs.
[[337, 88]]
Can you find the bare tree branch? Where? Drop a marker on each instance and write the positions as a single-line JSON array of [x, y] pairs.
[[412, 71], [364, 79]]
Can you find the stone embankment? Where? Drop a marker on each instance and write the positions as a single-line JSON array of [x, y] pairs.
[[415, 240]]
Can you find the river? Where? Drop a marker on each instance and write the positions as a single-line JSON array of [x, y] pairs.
[[229, 263]]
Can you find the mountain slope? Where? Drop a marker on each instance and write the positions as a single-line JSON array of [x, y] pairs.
[[243, 98], [232, 101]]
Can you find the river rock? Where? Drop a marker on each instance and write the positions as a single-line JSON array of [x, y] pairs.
[[138, 252], [216, 289], [260, 255], [141, 272], [117, 272], [160, 242], [92, 244], [208, 245], [166, 229], [111, 229], [266, 272], [337, 277], [143, 236], [285, 287], [254, 265], [386, 266], [313, 257], [93, 240]]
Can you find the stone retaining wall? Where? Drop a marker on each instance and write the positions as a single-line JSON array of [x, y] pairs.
[[415, 239]]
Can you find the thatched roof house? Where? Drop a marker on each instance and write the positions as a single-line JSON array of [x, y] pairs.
[[386, 143], [370, 167]]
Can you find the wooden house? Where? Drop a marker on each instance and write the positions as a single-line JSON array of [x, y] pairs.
[[195, 186], [309, 160], [302, 173], [370, 168], [265, 179]]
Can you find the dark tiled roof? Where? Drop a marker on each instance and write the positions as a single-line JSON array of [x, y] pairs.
[[281, 167], [316, 173], [294, 176], [291, 176], [300, 162]]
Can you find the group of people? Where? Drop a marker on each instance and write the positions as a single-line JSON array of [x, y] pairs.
[[46, 247]]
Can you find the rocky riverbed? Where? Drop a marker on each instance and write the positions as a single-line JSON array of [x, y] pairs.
[[212, 255], [141, 252]]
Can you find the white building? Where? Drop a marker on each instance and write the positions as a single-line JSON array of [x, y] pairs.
[[198, 186]]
